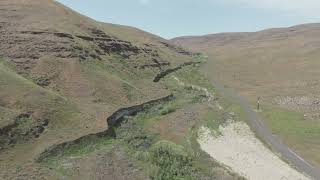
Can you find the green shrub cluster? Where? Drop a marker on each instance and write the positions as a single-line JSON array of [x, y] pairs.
[[170, 162]]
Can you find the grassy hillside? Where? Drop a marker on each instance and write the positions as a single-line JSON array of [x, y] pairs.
[[278, 65], [158, 143], [62, 75], [96, 67]]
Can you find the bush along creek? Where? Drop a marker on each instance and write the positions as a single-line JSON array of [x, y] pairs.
[[129, 128]]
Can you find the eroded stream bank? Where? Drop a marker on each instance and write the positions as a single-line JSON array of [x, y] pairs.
[[113, 121]]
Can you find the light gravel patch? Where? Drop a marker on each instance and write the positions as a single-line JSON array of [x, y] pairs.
[[237, 147]]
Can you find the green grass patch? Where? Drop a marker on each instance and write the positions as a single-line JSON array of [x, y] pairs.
[[290, 124], [191, 75], [78, 150], [299, 133], [167, 110], [212, 120], [200, 57]]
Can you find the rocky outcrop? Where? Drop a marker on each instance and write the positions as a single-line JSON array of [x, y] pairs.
[[156, 64], [122, 48], [168, 71], [177, 49], [58, 34], [24, 48], [112, 45]]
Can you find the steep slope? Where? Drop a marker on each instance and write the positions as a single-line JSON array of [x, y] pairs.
[[63, 76], [96, 66], [279, 65]]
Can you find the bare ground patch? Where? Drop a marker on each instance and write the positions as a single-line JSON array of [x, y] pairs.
[[238, 148]]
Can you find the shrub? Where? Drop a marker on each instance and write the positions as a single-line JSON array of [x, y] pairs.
[[167, 110], [42, 81], [170, 162]]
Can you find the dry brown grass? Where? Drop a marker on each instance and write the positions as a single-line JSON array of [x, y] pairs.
[[83, 90], [279, 65]]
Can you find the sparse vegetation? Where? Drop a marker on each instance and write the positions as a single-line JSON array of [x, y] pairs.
[[42, 81]]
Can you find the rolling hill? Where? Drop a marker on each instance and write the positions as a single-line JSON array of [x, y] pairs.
[[278, 65]]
